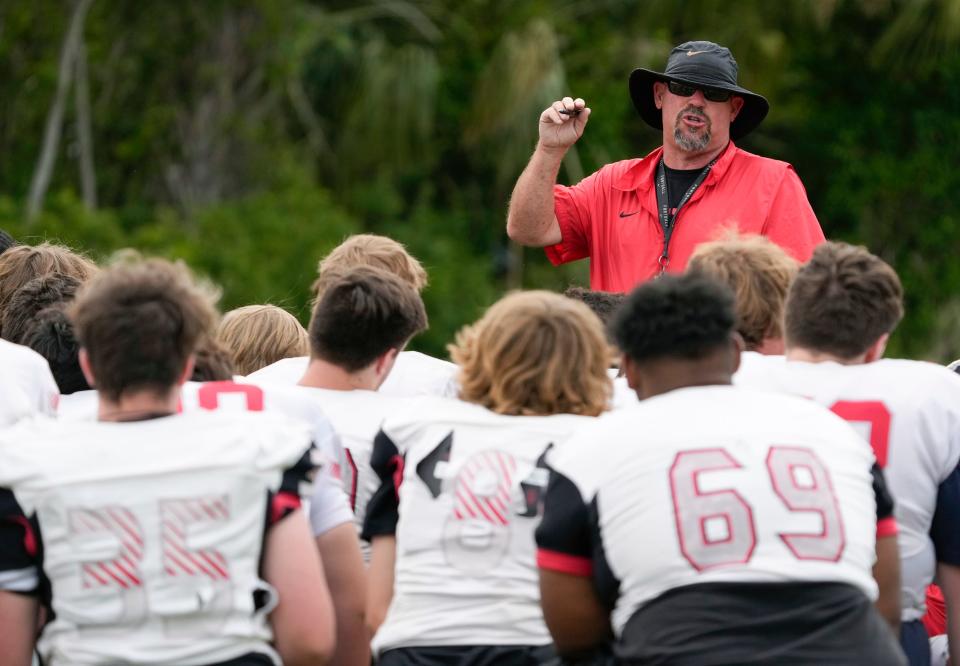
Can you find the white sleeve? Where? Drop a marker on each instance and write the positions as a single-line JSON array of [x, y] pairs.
[[329, 505], [40, 385]]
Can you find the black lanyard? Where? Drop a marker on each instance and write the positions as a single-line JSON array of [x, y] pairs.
[[667, 221]]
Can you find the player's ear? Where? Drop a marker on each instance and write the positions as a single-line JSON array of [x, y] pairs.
[[84, 359], [633, 375], [737, 346], [187, 370], [384, 364], [875, 351]]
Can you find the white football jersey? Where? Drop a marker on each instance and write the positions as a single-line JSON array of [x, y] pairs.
[[356, 417], [78, 406], [29, 373], [329, 505], [469, 503], [711, 485], [413, 374], [152, 531], [622, 396], [909, 411]]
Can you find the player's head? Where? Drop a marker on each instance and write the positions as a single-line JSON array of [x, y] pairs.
[[677, 331], [602, 303], [51, 335], [36, 295], [370, 250], [843, 304], [534, 352], [139, 324], [759, 272], [364, 317], [6, 241], [212, 362], [23, 263], [258, 335]]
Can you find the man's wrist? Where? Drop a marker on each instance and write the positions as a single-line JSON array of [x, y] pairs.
[[553, 154]]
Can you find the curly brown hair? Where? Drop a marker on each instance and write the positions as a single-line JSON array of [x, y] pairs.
[[535, 353], [23, 263]]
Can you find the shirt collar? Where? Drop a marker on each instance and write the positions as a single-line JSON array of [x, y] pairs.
[[640, 175]]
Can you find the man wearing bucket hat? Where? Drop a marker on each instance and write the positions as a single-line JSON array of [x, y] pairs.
[[638, 218]]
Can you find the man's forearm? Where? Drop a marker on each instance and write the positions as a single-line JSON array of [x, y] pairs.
[[531, 219]]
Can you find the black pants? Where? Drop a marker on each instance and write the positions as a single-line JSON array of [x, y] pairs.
[[915, 643], [470, 655]]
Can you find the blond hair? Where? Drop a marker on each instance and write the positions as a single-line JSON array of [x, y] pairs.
[[258, 335], [534, 353], [370, 250], [23, 263], [759, 273]]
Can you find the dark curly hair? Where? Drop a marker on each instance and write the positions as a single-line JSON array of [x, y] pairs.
[[686, 317], [50, 334], [36, 295]]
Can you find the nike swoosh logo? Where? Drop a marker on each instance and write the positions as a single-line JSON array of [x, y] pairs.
[[693, 53], [622, 214]]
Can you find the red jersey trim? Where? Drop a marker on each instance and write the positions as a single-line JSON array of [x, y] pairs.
[[887, 527], [284, 503], [568, 564]]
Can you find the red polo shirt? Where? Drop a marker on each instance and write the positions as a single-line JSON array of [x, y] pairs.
[[611, 216]]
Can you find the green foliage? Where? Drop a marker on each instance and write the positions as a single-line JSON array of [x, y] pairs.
[[249, 137]]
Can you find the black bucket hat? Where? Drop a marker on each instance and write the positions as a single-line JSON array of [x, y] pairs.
[[703, 64]]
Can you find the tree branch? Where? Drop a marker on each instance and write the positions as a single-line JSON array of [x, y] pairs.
[[51, 136], [88, 174]]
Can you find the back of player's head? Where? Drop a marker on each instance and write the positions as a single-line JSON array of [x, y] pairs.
[[212, 362], [602, 303], [258, 335], [534, 352], [675, 317], [370, 250], [759, 272], [842, 301], [363, 313], [139, 322], [50, 334], [6, 241], [23, 263], [36, 295]]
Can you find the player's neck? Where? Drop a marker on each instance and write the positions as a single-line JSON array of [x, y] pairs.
[[815, 356], [326, 375], [676, 158], [139, 406], [659, 386]]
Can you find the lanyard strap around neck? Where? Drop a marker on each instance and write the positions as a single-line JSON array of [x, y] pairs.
[[668, 221]]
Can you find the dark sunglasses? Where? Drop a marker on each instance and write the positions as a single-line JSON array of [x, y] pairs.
[[710, 94]]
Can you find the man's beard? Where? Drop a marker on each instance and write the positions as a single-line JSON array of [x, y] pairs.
[[697, 142]]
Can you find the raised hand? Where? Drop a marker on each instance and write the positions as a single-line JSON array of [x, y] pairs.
[[562, 123]]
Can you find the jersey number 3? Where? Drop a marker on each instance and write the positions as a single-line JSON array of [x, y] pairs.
[[716, 528]]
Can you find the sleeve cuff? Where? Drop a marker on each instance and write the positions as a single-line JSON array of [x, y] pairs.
[[284, 503], [564, 563], [887, 527], [568, 249]]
